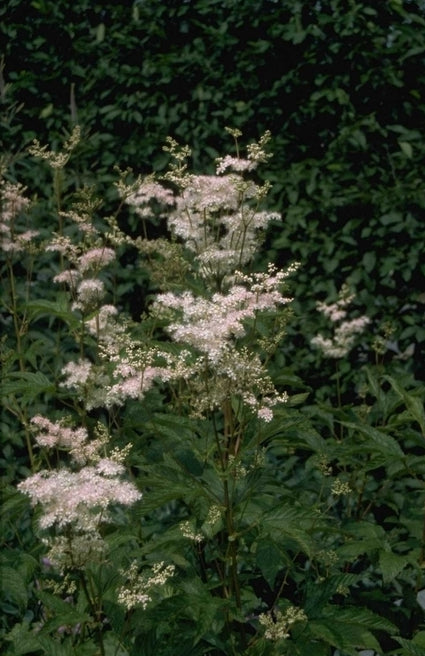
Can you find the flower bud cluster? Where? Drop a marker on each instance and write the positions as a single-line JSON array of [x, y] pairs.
[[57, 160], [278, 625], [140, 589]]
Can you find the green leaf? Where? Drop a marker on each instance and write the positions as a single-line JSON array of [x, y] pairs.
[[298, 399], [379, 440], [363, 617], [13, 587], [201, 608], [286, 525], [349, 637], [52, 647], [46, 111], [27, 385], [362, 537], [24, 640], [410, 648], [369, 261], [406, 148], [58, 308], [100, 32], [64, 613], [354, 626], [419, 639], [327, 632], [391, 565], [270, 559], [414, 404]]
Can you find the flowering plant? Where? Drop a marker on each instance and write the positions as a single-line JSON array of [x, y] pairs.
[[183, 504]]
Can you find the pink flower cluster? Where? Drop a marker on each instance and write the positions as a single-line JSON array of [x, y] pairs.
[[209, 324], [79, 495], [216, 221], [79, 498], [213, 327], [345, 331], [12, 204], [150, 191], [86, 288], [216, 216]]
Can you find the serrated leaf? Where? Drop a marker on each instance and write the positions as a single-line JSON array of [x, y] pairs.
[[364, 617], [348, 637], [355, 548], [55, 648], [177, 428], [58, 308], [326, 632], [319, 594], [270, 559], [356, 637], [201, 607], [298, 399], [116, 614], [379, 440], [410, 648], [26, 385], [64, 613], [413, 403], [13, 587], [419, 639], [13, 503], [304, 647], [391, 565], [24, 640]]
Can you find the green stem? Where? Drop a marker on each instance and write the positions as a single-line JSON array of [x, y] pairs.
[[338, 394], [20, 329], [96, 612], [231, 557]]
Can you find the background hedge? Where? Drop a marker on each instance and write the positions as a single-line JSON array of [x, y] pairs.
[[340, 84]]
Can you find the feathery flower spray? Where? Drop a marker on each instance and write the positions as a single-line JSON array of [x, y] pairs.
[[76, 499]]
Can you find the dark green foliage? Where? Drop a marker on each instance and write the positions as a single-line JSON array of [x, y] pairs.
[[340, 84]]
